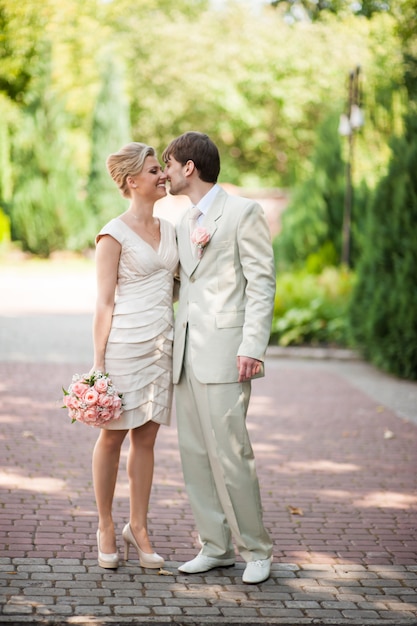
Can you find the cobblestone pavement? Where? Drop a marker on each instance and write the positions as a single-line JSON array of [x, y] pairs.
[[335, 443]]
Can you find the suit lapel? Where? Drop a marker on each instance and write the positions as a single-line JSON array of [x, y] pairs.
[[214, 213], [187, 260]]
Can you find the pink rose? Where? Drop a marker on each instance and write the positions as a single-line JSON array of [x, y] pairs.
[[105, 400], [89, 416], [79, 388], [101, 385], [71, 402], [117, 402], [73, 413], [200, 237], [105, 415], [91, 396]]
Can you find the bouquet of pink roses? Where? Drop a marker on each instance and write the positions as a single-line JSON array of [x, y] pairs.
[[92, 399]]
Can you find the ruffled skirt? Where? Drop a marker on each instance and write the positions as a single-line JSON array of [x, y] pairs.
[[142, 372]]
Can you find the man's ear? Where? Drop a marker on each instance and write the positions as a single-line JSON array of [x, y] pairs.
[[189, 168]]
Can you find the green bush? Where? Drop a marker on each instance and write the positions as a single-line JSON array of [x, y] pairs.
[[312, 222], [383, 312], [312, 308], [311, 229]]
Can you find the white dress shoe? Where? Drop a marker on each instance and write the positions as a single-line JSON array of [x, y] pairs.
[[203, 563], [257, 571]]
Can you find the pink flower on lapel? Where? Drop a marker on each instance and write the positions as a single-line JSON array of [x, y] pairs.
[[200, 238]]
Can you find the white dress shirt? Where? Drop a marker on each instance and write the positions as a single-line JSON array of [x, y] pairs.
[[206, 201]]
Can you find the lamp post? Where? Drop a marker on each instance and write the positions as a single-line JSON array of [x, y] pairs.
[[350, 122]]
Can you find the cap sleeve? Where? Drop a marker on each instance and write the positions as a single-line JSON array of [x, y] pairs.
[[113, 228]]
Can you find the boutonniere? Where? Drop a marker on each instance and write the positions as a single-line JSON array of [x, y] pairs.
[[200, 238]]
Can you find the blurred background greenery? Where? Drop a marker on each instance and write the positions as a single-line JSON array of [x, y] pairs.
[[269, 82]]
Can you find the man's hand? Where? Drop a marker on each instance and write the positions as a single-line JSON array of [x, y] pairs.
[[247, 367]]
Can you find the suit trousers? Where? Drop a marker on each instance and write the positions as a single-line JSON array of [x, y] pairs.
[[219, 466]]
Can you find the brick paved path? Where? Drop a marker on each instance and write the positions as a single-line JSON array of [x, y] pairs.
[[339, 487]]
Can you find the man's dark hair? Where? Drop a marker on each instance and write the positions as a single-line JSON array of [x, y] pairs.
[[199, 148]]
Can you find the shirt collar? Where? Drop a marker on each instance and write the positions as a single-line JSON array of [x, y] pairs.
[[207, 200]]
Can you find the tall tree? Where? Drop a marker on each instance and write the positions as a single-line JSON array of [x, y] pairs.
[[47, 214], [383, 312], [22, 27], [312, 223], [110, 131]]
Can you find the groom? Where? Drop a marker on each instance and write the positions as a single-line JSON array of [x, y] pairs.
[[221, 334]]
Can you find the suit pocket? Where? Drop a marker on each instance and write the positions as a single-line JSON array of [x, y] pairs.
[[220, 244], [230, 319]]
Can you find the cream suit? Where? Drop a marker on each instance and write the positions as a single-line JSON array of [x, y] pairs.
[[225, 310]]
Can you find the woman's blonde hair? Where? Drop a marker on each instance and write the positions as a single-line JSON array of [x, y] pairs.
[[127, 162]]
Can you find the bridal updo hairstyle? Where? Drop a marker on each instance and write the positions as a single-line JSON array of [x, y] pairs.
[[127, 162]]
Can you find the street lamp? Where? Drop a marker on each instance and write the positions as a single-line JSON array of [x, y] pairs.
[[350, 122]]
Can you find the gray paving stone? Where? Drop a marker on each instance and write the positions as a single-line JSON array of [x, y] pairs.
[[318, 434]]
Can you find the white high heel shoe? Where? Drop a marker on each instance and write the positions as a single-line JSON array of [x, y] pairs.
[[146, 559], [108, 561]]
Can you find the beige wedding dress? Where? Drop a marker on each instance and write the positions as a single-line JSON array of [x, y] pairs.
[[138, 355]]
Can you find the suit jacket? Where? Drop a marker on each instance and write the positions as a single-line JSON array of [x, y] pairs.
[[227, 297]]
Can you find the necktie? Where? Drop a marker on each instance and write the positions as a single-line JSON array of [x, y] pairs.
[[194, 215]]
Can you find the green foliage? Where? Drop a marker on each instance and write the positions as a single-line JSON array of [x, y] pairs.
[[263, 105], [312, 309], [312, 222], [5, 148], [110, 131], [317, 9], [266, 88], [46, 213], [35, 217], [383, 319], [258, 85], [405, 12], [311, 226], [21, 29]]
